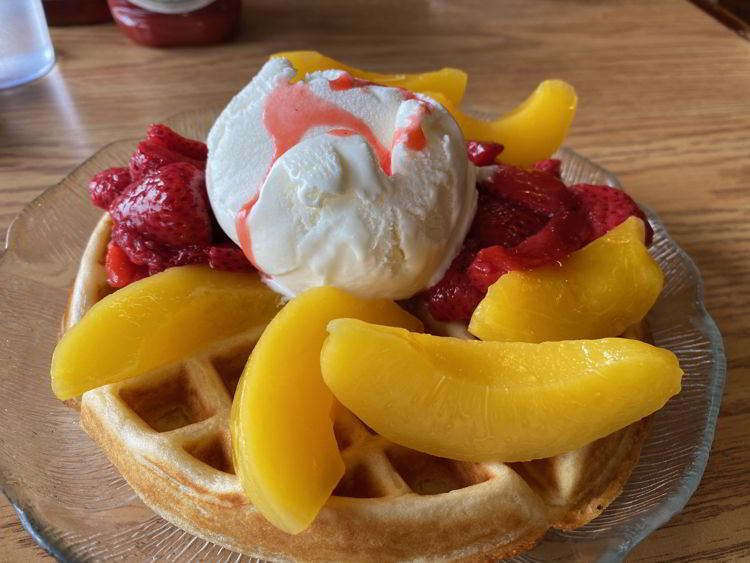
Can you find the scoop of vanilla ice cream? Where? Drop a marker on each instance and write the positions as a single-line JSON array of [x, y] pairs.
[[374, 195]]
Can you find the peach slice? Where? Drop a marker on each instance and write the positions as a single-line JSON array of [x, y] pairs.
[[285, 452], [503, 401], [450, 82], [598, 291], [156, 321], [530, 132]]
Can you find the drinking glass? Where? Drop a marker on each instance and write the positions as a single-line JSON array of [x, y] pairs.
[[26, 50]]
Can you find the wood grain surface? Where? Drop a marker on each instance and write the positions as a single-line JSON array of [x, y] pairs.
[[665, 104]]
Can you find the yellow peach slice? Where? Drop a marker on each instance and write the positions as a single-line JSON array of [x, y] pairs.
[[504, 401], [450, 82], [285, 452], [530, 132], [598, 291], [156, 321]]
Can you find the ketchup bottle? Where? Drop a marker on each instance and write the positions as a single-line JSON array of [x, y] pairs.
[[174, 23], [76, 12]]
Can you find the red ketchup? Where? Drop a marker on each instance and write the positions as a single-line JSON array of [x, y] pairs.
[[210, 24]]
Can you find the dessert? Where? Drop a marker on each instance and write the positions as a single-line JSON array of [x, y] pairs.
[[256, 454]]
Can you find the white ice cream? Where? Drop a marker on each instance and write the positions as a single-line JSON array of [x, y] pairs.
[[327, 213]]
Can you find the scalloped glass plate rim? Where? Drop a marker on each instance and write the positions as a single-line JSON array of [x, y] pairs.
[[641, 527]]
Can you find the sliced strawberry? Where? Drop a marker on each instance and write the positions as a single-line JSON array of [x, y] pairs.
[[168, 207], [550, 166], [164, 136], [536, 190], [194, 254], [150, 156], [139, 249], [607, 207], [501, 222], [566, 232], [228, 256], [120, 270], [483, 153], [454, 297], [107, 185]]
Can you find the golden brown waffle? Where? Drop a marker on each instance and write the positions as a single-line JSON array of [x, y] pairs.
[[167, 432]]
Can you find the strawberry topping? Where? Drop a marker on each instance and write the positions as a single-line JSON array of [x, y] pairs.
[[107, 185], [120, 270], [163, 135], [150, 156], [160, 209], [607, 207], [550, 166], [168, 206], [228, 256], [483, 153], [525, 218], [455, 297], [536, 190]]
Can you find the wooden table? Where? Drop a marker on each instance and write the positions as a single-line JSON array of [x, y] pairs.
[[665, 104]]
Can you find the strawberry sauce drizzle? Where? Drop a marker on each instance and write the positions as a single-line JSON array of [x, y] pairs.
[[412, 135], [243, 233], [293, 109], [346, 82]]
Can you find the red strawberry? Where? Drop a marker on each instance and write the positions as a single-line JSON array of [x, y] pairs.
[[120, 270], [164, 136], [483, 153], [151, 156], [107, 185], [500, 222], [454, 297], [566, 232], [228, 256], [538, 191], [168, 207], [549, 165], [193, 254], [607, 207], [140, 250]]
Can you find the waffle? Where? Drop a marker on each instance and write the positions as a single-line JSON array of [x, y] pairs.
[[167, 433]]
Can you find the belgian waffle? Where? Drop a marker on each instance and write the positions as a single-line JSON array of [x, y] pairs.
[[167, 433]]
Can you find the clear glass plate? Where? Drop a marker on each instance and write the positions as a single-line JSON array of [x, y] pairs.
[[77, 506]]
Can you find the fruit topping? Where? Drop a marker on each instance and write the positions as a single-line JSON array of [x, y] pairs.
[[120, 270], [566, 232], [157, 321], [105, 186], [536, 190], [530, 132], [483, 153], [550, 166], [228, 256], [525, 219], [607, 207], [169, 206], [150, 156], [163, 135], [161, 212], [493, 401], [499, 221], [596, 292], [450, 82], [455, 296], [285, 452]]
